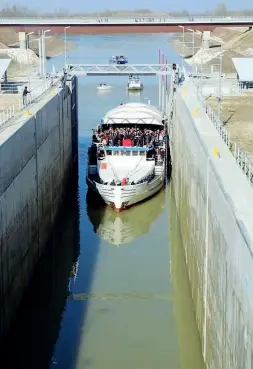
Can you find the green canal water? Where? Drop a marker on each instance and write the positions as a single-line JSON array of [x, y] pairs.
[[112, 290]]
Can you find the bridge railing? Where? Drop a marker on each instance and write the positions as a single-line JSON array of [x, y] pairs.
[[82, 20], [119, 69], [7, 114], [240, 155]]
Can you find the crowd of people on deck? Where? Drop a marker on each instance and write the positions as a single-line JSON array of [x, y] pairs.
[[128, 136]]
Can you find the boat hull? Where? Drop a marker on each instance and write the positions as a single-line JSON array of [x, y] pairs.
[[122, 197], [135, 88], [104, 88]]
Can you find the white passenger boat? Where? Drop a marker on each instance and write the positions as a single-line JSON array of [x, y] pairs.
[[134, 83], [104, 87], [126, 161]]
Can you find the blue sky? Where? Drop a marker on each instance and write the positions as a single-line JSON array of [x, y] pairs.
[[99, 5]]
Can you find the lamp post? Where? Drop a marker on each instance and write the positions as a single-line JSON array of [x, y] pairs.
[[65, 45], [220, 87], [193, 34], [202, 47], [28, 61], [40, 52], [43, 48], [182, 55], [183, 32], [39, 39], [200, 34]]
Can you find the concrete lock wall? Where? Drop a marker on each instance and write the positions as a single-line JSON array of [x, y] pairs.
[[35, 163], [213, 200]]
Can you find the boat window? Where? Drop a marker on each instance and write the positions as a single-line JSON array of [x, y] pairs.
[[109, 152], [115, 153], [142, 153], [127, 153], [135, 153]]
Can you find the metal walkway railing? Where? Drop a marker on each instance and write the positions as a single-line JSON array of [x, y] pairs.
[[239, 154], [117, 69], [7, 114], [38, 91], [34, 94]]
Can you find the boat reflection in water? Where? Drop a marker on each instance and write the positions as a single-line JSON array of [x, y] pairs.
[[134, 94], [123, 228]]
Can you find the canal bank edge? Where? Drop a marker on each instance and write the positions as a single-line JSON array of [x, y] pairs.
[[36, 158], [212, 196]]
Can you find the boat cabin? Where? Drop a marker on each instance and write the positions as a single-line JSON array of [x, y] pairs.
[[134, 78], [149, 152], [129, 143], [121, 59]]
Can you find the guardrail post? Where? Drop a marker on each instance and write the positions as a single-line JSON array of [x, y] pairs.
[[246, 164]]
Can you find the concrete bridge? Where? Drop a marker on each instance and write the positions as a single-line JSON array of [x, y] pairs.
[[138, 24]]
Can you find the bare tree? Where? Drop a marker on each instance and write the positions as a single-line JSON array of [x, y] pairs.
[[220, 10], [23, 11]]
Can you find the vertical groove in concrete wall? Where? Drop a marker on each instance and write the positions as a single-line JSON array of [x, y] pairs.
[[218, 255], [35, 163], [74, 118]]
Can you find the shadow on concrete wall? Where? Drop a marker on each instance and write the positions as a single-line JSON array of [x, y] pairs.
[[76, 312], [50, 323], [41, 319], [36, 328], [169, 162]]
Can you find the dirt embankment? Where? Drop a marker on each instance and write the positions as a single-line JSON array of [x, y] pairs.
[[237, 42], [54, 44]]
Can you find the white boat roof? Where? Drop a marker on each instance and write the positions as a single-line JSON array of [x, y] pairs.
[[134, 113]]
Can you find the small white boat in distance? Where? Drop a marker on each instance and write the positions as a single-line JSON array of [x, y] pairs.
[[104, 87], [134, 83], [126, 161]]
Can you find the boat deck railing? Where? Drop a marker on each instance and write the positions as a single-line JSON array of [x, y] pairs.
[[124, 148]]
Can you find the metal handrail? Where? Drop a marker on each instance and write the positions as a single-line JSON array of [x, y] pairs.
[[10, 111], [119, 69], [241, 157], [38, 91], [7, 114]]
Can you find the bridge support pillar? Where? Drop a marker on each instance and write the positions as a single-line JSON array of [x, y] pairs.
[[22, 40], [206, 39]]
